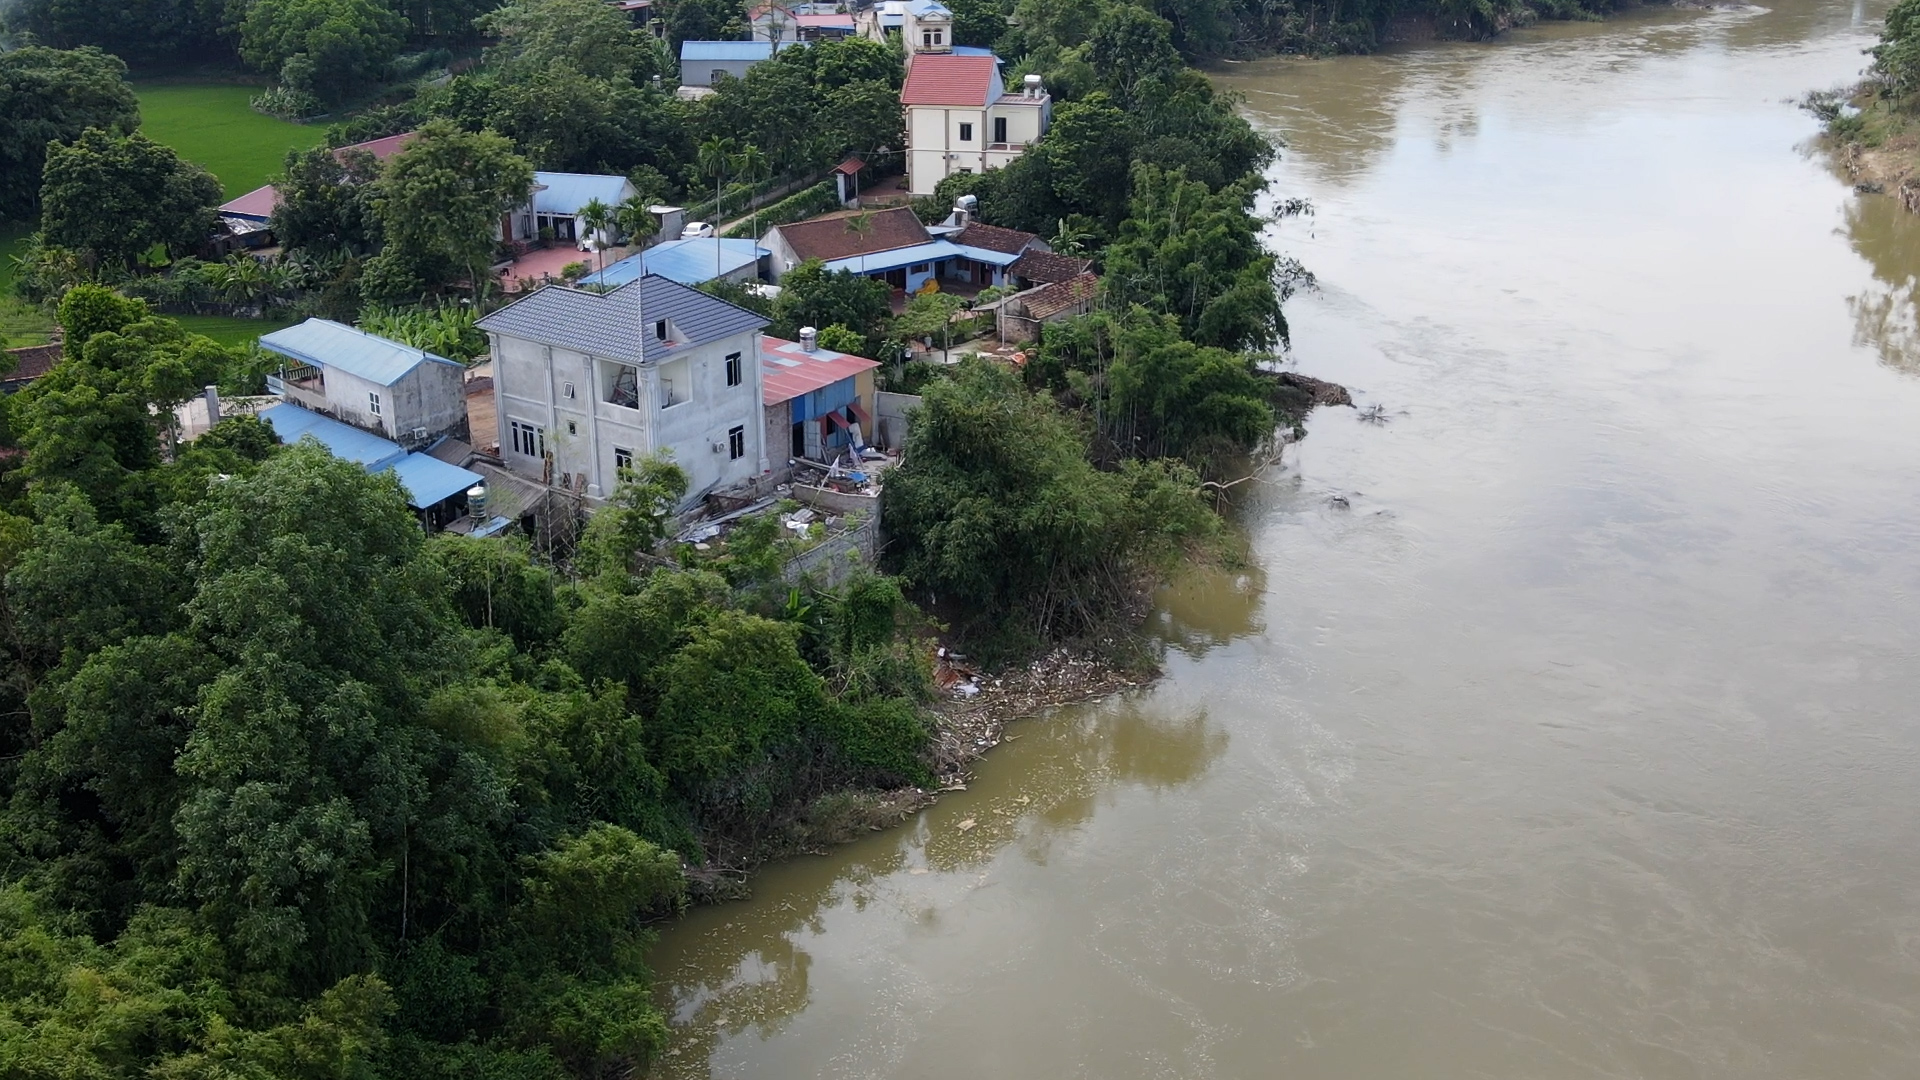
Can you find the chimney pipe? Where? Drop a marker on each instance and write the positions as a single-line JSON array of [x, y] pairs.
[[809, 338]]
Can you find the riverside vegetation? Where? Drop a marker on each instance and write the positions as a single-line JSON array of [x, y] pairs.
[[1874, 125], [292, 790]]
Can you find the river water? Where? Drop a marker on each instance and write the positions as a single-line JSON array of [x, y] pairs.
[[1581, 743]]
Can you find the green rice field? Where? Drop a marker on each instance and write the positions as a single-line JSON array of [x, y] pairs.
[[230, 331], [212, 124]]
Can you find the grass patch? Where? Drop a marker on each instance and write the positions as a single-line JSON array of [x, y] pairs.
[[21, 323], [229, 330], [212, 124]]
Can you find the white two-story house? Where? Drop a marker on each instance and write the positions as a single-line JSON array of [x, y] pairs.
[[961, 119], [586, 383]]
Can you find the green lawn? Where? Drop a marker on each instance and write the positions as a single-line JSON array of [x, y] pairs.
[[21, 323], [230, 331], [212, 124]]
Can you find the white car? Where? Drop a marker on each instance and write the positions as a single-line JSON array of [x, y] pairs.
[[696, 230]]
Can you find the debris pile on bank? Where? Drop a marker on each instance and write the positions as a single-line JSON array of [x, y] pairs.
[[971, 721]]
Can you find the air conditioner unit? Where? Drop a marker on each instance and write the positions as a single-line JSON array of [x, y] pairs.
[[719, 447], [419, 433]]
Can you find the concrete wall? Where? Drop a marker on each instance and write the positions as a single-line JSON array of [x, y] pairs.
[[565, 393], [700, 72], [890, 414], [835, 560], [781, 257], [836, 502]]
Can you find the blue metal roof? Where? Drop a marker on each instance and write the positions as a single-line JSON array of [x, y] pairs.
[[985, 255], [920, 9], [431, 480], [932, 251], [427, 480], [726, 50], [328, 344], [567, 192], [972, 50], [688, 262]]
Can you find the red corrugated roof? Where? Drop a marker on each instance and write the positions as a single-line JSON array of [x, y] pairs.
[[945, 79], [257, 203], [382, 149], [261, 201], [788, 371]]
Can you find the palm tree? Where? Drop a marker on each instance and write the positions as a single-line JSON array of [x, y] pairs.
[[635, 218], [715, 155], [751, 164], [598, 217]]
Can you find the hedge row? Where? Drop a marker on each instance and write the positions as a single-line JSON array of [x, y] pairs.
[[802, 204]]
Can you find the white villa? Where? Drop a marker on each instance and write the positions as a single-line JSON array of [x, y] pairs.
[[960, 117], [586, 383]]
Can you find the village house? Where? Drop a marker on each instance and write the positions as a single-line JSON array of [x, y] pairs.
[[379, 403], [1020, 316], [703, 62], [381, 386], [243, 221], [558, 198], [959, 255], [960, 119], [800, 22], [586, 383], [819, 403]]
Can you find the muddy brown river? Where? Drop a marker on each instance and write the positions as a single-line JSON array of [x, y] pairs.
[[1583, 742]]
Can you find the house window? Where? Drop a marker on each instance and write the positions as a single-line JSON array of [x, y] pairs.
[[660, 329], [999, 129], [573, 428], [966, 132], [373, 403], [932, 38], [918, 268], [733, 369], [622, 458], [528, 439], [737, 443]]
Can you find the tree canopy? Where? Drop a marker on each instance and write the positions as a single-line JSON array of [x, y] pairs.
[[329, 48], [997, 510], [116, 196], [442, 198], [51, 96]]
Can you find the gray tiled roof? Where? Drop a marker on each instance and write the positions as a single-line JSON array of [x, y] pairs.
[[607, 324]]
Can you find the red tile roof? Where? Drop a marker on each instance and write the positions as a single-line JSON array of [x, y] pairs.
[[994, 238], [1047, 267], [946, 79], [830, 238], [788, 371], [1050, 300]]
